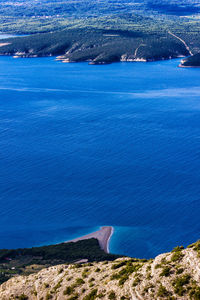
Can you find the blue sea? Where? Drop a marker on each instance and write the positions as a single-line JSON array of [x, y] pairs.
[[83, 146]]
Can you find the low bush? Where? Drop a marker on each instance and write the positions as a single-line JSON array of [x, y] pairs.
[[92, 295], [112, 295], [162, 292], [165, 271], [179, 284]]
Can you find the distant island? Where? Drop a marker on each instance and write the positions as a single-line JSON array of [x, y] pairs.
[[101, 32], [97, 46]]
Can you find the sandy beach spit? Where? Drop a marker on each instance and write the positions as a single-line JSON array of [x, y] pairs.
[[182, 66], [4, 44], [103, 235]]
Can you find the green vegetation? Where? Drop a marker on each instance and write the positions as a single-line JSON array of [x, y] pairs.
[[92, 295], [112, 296], [96, 45], [30, 260], [22, 297], [179, 284], [136, 281], [194, 293], [167, 279], [178, 249], [177, 254], [124, 273], [148, 287], [85, 273], [57, 286], [98, 270], [65, 252], [44, 16], [165, 271], [118, 265], [162, 292], [196, 246], [100, 31], [69, 290], [179, 271], [74, 297], [79, 281], [48, 296]]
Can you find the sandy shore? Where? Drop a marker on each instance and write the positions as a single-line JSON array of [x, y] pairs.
[[103, 235], [182, 66], [4, 44]]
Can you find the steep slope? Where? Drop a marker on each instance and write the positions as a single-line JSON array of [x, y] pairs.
[[97, 46], [24, 261], [174, 275]]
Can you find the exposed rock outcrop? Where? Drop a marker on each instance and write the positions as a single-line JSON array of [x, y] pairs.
[[174, 275]]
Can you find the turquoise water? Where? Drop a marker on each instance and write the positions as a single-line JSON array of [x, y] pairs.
[[83, 146]]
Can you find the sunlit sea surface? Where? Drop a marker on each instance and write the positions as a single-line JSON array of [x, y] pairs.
[[83, 146]]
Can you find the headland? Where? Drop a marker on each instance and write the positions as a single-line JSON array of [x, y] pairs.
[[103, 236]]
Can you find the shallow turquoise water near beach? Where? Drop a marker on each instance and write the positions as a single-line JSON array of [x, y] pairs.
[[83, 146]]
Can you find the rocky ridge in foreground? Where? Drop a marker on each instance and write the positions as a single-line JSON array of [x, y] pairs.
[[174, 275]]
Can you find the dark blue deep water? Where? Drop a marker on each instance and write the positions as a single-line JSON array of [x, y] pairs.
[[83, 146]]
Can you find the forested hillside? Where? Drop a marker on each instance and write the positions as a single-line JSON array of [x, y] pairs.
[[38, 16]]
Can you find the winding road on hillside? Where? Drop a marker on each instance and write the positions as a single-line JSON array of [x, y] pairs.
[[180, 39], [136, 50]]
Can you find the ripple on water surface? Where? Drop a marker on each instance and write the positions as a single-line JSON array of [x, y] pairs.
[[83, 146]]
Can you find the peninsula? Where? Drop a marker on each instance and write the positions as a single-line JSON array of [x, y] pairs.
[[103, 236], [191, 61], [92, 247]]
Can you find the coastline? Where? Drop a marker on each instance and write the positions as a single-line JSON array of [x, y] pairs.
[[182, 66], [63, 59], [103, 235], [109, 238], [103, 63]]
